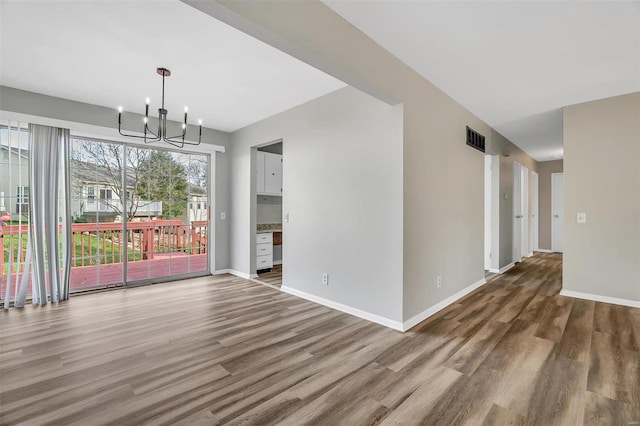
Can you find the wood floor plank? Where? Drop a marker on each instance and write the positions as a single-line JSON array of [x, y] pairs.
[[225, 350]]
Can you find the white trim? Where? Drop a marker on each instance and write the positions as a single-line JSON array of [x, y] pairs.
[[544, 250], [236, 273], [277, 262], [416, 319], [506, 268], [598, 298], [396, 325], [529, 254], [494, 271]]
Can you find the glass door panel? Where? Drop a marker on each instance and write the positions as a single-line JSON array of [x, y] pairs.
[[97, 214], [170, 238]]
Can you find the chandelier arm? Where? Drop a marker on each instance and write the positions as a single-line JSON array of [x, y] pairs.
[[161, 135], [148, 130], [174, 143]]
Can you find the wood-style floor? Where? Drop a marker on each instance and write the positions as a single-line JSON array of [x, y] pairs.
[[273, 277], [223, 350]]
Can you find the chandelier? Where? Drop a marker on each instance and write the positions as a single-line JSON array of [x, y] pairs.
[[161, 134]]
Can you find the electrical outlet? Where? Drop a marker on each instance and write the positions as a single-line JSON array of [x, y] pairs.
[[325, 278], [439, 281]]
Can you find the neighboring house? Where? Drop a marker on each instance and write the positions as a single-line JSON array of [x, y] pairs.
[[14, 181], [198, 203], [94, 199]]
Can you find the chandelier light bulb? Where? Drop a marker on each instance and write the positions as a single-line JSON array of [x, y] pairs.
[[120, 109], [200, 121], [145, 120], [184, 125], [147, 101], [186, 109]]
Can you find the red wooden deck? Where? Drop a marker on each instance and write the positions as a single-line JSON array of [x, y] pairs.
[[162, 265]]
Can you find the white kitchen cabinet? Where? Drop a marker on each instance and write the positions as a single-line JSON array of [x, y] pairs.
[[269, 173], [264, 251], [260, 186]]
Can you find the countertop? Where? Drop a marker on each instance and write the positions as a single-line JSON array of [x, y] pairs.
[[269, 227]]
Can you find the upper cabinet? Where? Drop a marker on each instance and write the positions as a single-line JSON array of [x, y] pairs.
[[269, 174]]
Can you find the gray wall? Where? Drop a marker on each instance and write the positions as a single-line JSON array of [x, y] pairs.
[[602, 179], [35, 104], [342, 189], [442, 178], [545, 169]]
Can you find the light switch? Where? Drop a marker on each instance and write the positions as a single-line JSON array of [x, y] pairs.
[[582, 218]]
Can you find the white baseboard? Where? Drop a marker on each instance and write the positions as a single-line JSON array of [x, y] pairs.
[[544, 250], [598, 298], [277, 262], [396, 325], [529, 254], [417, 319], [506, 268], [234, 272]]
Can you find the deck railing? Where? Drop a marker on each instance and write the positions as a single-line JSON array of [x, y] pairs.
[[105, 242]]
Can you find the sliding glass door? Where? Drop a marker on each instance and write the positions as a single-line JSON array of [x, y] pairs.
[[140, 214]]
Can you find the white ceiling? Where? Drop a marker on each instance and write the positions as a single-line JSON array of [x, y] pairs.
[[106, 53], [513, 64]]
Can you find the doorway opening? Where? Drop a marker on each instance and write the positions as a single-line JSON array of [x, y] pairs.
[[267, 214]]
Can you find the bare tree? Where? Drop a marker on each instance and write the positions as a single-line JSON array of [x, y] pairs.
[[104, 163]]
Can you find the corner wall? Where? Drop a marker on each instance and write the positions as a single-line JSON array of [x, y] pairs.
[[342, 189], [602, 179], [442, 200]]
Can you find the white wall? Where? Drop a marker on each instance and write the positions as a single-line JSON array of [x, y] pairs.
[[343, 192]]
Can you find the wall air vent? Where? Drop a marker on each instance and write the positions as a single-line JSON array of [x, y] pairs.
[[475, 139]]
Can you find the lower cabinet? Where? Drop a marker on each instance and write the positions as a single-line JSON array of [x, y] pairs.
[[264, 251]]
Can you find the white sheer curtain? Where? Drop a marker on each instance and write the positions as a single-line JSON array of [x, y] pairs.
[[49, 245]]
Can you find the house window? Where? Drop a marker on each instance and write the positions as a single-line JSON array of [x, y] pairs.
[[106, 194], [91, 195], [22, 194]]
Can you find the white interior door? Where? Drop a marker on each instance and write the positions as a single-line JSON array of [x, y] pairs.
[[557, 212], [487, 212], [524, 211], [517, 212], [534, 211]]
